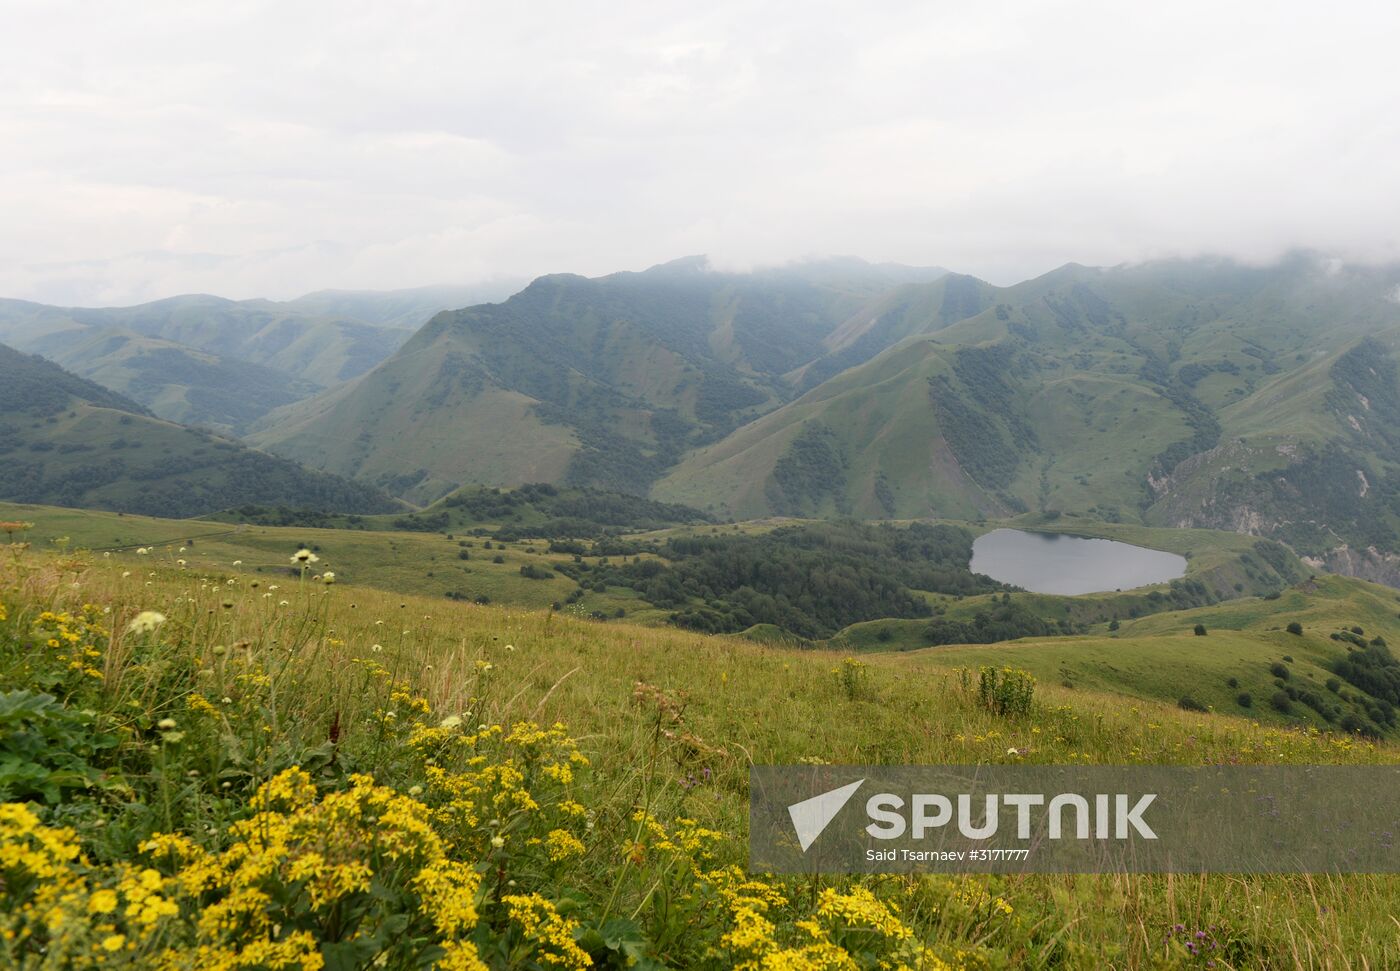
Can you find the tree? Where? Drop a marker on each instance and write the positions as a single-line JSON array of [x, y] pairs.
[[1295, 628]]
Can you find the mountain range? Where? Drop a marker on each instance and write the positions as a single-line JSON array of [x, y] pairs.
[[1202, 392]]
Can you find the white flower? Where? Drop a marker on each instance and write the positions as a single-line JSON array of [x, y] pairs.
[[182, 549], [180, 562], [237, 562], [328, 577], [125, 574], [376, 648], [510, 647], [304, 556], [145, 622], [165, 724], [498, 841], [451, 721], [141, 551]]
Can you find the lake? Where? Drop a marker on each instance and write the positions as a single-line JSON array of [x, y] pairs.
[[1056, 563]]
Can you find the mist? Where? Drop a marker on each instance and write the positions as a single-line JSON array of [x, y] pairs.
[[273, 149]]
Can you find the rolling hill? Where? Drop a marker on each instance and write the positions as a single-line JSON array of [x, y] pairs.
[[68, 441]]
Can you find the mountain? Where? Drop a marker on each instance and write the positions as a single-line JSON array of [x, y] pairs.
[[67, 441], [1185, 393], [586, 382]]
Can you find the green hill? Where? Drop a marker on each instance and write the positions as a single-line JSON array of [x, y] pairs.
[[597, 382], [67, 441]]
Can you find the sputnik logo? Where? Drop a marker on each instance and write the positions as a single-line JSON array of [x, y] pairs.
[[811, 816]]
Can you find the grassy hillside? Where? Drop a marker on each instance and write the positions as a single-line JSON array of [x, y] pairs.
[[340, 680], [67, 441], [583, 382]]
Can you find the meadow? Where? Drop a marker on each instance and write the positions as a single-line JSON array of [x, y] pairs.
[[213, 767]]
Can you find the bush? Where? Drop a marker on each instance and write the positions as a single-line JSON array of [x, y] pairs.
[[1295, 628], [1187, 703], [1282, 702], [1280, 670], [1233, 682], [1200, 630], [532, 572], [1245, 699]]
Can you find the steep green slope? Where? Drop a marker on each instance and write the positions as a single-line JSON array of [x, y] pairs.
[[601, 382], [67, 441], [1197, 393]]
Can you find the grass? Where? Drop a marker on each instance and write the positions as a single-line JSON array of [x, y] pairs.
[[670, 723]]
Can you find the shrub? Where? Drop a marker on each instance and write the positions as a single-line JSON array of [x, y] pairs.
[[1233, 682], [1200, 630], [1245, 699], [1187, 703], [1295, 628], [1280, 670], [1282, 702]]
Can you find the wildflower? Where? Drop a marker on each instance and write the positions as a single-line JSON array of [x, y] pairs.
[[451, 721], [142, 550], [376, 648], [165, 724], [145, 622], [328, 577], [304, 557], [237, 562], [498, 841], [114, 942], [180, 563]]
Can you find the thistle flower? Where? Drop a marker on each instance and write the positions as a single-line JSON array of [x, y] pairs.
[[145, 622], [304, 557]]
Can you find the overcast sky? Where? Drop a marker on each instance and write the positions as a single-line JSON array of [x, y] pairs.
[[269, 149]]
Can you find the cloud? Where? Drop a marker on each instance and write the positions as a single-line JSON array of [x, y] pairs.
[[271, 149]]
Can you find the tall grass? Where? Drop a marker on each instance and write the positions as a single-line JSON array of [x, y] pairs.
[[329, 677]]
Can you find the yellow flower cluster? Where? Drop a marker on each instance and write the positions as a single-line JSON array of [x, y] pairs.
[[72, 638]]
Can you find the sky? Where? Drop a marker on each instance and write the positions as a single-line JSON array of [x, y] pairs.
[[271, 149]]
